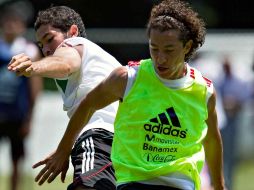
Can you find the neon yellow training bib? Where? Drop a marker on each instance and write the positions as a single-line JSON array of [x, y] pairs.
[[159, 130]]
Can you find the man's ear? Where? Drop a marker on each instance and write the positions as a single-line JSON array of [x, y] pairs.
[[73, 31]]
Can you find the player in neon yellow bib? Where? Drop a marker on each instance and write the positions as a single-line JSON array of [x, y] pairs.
[[166, 124], [163, 137]]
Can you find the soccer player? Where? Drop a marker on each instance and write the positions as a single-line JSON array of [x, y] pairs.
[[77, 65]]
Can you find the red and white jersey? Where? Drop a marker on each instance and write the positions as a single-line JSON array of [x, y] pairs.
[[183, 82], [96, 65]]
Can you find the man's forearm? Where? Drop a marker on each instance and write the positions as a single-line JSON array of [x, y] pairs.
[[79, 119], [51, 67], [215, 163]]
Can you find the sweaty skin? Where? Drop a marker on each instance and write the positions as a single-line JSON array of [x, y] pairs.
[[58, 63]]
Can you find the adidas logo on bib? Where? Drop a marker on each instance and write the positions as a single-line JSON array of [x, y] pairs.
[[166, 123]]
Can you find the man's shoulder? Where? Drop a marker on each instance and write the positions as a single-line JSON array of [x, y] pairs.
[[136, 63]]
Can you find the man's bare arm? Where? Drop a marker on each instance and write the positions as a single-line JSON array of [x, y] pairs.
[[110, 90], [213, 147], [61, 64]]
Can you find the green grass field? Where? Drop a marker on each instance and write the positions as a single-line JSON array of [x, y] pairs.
[[244, 177], [27, 183], [243, 180]]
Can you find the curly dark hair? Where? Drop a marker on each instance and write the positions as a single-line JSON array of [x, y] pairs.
[[61, 17], [177, 14]]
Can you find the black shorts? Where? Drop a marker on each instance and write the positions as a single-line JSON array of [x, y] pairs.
[[91, 161], [12, 131], [141, 186]]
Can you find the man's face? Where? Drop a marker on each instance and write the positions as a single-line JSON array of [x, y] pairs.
[[49, 38], [167, 53]]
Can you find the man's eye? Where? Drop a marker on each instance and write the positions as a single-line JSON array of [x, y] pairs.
[[50, 39], [169, 50], [154, 49]]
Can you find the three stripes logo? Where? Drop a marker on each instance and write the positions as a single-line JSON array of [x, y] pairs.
[[162, 125]]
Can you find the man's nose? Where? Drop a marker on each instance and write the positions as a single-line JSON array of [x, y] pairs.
[[161, 58]]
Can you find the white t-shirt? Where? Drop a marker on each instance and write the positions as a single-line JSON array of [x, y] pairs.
[[183, 82], [96, 65]]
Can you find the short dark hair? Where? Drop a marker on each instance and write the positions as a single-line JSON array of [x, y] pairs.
[[61, 17], [177, 14]]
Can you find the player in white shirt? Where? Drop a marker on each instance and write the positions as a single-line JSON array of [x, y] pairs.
[[77, 65]]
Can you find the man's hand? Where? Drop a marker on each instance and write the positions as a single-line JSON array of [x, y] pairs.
[[21, 64], [55, 164]]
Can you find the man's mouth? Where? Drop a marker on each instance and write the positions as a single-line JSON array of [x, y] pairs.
[[162, 69]]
